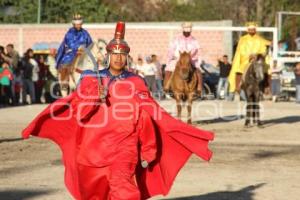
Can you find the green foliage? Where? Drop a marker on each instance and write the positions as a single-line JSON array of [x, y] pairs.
[[97, 11]]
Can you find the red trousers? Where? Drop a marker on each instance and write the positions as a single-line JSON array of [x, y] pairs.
[[114, 182]]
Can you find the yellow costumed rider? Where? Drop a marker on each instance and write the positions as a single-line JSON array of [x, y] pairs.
[[248, 45]]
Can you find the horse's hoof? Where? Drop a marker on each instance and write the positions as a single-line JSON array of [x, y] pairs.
[[199, 93], [166, 90], [260, 125], [247, 125]]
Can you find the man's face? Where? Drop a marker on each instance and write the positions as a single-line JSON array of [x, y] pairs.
[[186, 34], [52, 52], [117, 61], [42, 60], [225, 59], [78, 26], [252, 31], [9, 49], [30, 54], [140, 61], [5, 65]]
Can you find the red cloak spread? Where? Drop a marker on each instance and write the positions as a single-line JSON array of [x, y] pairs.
[[165, 142]]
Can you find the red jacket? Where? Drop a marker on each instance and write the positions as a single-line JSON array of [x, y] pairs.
[[93, 133]]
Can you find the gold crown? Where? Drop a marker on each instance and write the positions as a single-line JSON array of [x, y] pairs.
[[77, 17], [187, 25], [251, 24]]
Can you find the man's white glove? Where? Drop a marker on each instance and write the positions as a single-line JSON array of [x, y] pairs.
[[144, 163]]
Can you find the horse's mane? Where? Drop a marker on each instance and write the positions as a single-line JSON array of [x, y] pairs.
[[184, 59], [250, 67]]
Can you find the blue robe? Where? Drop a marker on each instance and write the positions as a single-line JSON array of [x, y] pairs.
[[68, 48]]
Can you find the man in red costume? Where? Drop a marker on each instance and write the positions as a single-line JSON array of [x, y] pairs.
[[123, 147]]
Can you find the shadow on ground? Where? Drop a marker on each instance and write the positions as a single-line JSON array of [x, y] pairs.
[[266, 154], [246, 193], [22, 194], [282, 120], [25, 168], [10, 140], [229, 118]]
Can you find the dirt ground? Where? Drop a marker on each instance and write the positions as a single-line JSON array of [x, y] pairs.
[[248, 164]]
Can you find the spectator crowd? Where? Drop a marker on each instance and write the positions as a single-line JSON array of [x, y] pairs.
[[24, 80], [32, 78]]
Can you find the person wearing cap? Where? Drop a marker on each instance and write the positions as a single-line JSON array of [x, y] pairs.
[[248, 45], [74, 40], [183, 43], [117, 142]]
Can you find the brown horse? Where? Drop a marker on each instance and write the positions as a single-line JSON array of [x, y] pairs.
[[184, 84], [251, 85]]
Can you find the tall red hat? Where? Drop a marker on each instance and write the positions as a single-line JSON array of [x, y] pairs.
[[118, 44]]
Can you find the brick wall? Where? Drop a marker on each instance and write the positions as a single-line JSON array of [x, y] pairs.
[[143, 41]]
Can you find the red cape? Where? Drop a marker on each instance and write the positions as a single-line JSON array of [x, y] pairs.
[[176, 141]]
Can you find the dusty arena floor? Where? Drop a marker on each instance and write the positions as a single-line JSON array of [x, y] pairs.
[[248, 164]]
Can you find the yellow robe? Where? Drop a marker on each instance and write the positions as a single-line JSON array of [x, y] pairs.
[[247, 46]]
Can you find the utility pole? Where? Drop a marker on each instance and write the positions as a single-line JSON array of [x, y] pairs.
[[39, 12]]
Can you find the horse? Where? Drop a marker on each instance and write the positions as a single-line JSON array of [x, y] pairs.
[[184, 84], [251, 82], [69, 76]]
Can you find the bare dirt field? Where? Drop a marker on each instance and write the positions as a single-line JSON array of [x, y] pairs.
[[248, 164]]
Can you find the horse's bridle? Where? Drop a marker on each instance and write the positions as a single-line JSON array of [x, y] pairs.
[[191, 70]]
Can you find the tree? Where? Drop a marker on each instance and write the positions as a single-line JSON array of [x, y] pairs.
[[97, 11]]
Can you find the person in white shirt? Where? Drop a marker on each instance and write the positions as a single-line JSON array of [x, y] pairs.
[[35, 73], [35, 70], [148, 70], [51, 62], [138, 67], [158, 77]]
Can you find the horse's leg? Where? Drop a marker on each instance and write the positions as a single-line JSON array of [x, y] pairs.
[[72, 82], [257, 110], [248, 111], [189, 107], [255, 107], [178, 104], [254, 110], [62, 81], [248, 114]]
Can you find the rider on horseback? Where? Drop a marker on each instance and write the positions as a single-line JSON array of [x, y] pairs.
[[183, 43], [248, 45], [75, 38]]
